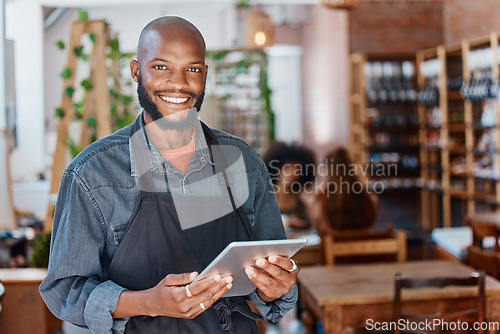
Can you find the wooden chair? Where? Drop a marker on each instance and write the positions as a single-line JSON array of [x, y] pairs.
[[479, 256], [364, 243], [480, 231], [485, 260], [470, 315]]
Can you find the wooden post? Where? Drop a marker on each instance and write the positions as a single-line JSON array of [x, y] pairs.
[[469, 133], [98, 102], [445, 153], [425, 219]]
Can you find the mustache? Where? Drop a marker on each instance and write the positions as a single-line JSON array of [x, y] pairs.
[[173, 91]]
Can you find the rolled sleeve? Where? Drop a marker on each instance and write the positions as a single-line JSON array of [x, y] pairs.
[[275, 310], [101, 303]]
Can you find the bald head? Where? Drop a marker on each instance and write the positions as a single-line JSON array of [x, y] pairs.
[[169, 28]]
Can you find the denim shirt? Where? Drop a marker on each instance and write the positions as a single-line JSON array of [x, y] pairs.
[[96, 201]]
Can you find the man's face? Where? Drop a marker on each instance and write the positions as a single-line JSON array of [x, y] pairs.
[[171, 75], [167, 122]]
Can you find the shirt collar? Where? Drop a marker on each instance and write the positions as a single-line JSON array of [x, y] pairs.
[[200, 158]]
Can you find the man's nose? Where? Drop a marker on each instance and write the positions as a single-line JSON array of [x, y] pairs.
[[177, 80]]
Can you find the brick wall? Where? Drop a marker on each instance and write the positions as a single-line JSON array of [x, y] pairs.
[[396, 26], [465, 19]]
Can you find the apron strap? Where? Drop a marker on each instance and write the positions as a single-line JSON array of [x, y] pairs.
[[226, 306], [221, 162]]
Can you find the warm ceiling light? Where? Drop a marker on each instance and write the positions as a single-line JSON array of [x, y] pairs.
[[341, 4], [260, 38], [259, 29]]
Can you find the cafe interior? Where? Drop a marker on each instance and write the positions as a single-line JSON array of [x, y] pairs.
[[376, 119]]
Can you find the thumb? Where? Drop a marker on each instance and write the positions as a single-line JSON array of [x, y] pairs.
[[179, 279]]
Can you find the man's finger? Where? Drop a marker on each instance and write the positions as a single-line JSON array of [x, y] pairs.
[[180, 279], [203, 284]]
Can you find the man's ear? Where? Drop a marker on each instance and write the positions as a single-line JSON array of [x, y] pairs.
[[134, 70], [206, 72]]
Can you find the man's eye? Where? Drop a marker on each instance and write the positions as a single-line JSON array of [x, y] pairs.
[[194, 69], [160, 67]]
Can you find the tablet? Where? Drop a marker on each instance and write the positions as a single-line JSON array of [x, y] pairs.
[[240, 254]]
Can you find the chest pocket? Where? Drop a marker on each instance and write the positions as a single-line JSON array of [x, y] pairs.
[[119, 233]]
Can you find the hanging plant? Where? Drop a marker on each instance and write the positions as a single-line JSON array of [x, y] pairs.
[[60, 45], [78, 51], [59, 112], [229, 71], [69, 91], [86, 84], [65, 73], [78, 109], [83, 15], [73, 147], [114, 45]]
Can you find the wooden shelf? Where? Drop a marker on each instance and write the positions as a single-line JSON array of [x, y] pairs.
[[456, 127], [479, 126], [482, 152], [393, 128], [487, 198], [459, 150], [432, 127], [459, 194], [455, 96], [390, 149]]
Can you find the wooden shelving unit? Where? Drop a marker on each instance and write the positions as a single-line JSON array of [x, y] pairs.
[[239, 84], [385, 128], [458, 127], [454, 126]]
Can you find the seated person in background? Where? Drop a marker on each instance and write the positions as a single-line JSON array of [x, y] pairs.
[[292, 169], [343, 200]]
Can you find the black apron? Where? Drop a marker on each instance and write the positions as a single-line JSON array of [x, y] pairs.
[[155, 245]]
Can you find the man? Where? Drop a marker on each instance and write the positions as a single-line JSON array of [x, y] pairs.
[[125, 245]]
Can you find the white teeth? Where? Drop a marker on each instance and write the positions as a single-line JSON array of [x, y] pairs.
[[174, 99]]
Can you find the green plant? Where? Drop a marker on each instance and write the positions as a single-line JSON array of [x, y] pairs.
[[243, 4], [120, 104], [83, 15], [40, 248]]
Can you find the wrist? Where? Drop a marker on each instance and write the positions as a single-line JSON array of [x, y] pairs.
[[134, 303], [263, 296]]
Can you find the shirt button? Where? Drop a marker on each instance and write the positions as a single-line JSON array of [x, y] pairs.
[[203, 159]]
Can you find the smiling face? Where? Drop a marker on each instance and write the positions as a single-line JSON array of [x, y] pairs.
[[170, 69]]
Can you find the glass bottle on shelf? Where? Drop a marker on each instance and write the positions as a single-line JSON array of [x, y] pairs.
[[408, 71]]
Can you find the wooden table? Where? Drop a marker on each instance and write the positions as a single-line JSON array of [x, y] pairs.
[[311, 253], [23, 310], [347, 296]]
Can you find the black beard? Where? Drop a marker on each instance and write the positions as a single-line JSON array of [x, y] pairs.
[[164, 122]]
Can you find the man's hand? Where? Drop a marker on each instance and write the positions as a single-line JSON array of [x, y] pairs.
[[273, 277], [171, 298]]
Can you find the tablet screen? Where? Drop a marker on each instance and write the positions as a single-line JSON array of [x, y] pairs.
[[240, 254]]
